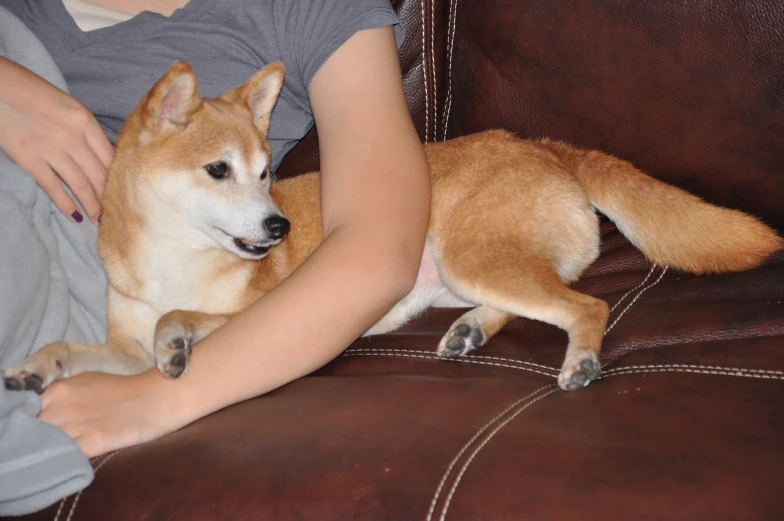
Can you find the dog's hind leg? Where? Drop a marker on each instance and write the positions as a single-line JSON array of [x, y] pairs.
[[64, 359], [472, 330], [533, 289], [175, 334]]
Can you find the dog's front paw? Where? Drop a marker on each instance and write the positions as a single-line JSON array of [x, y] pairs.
[[39, 370], [172, 350], [579, 370], [17, 379], [462, 337]]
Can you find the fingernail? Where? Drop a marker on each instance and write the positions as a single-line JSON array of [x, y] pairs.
[[76, 216], [99, 218]]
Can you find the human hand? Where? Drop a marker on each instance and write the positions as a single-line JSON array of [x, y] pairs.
[[104, 412], [49, 134]]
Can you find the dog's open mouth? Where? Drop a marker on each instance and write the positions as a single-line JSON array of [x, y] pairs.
[[250, 247]]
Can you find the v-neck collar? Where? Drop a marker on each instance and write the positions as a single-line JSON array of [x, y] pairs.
[[145, 21]]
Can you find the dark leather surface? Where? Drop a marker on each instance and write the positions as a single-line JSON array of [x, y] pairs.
[[687, 421]]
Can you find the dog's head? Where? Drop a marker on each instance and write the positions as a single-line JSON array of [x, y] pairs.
[[199, 168]]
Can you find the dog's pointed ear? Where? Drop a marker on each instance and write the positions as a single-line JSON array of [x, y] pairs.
[[174, 99], [260, 93]]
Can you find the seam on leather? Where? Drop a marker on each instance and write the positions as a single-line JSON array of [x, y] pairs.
[[639, 294], [697, 369], [487, 439], [452, 29], [635, 288], [94, 461], [697, 366], [433, 64], [658, 368], [465, 447], [60, 509], [100, 463], [424, 73], [438, 358]]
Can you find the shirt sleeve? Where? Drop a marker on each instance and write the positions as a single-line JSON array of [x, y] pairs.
[[309, 31]]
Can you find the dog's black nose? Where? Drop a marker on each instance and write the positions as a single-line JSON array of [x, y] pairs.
[[277, 226]]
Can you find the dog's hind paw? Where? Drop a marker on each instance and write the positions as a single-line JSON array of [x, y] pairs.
[[172, 353], [460, 339], [578, 371]]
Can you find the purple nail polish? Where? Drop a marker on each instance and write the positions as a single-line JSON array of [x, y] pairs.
[[99, 218], [76, 216]]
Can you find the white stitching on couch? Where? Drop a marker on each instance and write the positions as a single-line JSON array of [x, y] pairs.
[[472, 356], [482, 445], [433, 62], [643, 290], [468, 444], [696, 369], [424, 74], [98, 461], [654, 368], [697, 366], [435, 357], [452, 29], [79, 494], [635, 288]]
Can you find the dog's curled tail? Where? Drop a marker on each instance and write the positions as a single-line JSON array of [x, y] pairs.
[[670, 226]]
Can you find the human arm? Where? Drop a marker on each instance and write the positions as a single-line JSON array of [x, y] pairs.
[[375, 207], [45, 131]]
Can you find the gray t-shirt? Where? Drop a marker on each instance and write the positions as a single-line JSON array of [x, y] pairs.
[[225, 41]]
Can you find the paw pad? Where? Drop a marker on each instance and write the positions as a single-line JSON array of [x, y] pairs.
[[24, 382], [460, 341], [578, 375]]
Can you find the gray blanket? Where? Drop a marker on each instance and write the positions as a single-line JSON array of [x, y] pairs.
[[52, 287]]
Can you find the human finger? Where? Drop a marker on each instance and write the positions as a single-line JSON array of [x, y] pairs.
[[76, 179], [53, 187], [99, 143], [91, 165]]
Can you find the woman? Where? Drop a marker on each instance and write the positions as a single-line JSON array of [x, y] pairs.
[[342, 73]]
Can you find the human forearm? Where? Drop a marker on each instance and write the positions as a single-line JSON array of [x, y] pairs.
[[349, 282]]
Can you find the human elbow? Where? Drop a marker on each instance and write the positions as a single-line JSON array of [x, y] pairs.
[[406, 270], [400, 269]]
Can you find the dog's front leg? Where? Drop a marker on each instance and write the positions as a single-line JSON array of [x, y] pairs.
[[64, 359], [175, 334]]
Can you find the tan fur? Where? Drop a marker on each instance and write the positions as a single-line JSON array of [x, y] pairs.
[[512, 223], [671, 226]]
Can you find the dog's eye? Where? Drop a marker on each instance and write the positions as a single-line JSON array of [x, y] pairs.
[[264, 174], [217, 170]]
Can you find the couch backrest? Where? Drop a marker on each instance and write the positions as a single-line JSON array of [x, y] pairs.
[[691, 92]]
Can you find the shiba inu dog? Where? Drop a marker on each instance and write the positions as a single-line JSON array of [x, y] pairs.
[[193, 232]]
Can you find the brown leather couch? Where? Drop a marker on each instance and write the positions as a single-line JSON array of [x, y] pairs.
[[687, 421]]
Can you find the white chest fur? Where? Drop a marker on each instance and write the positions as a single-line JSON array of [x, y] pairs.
[[189, 279], [429, 291]]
